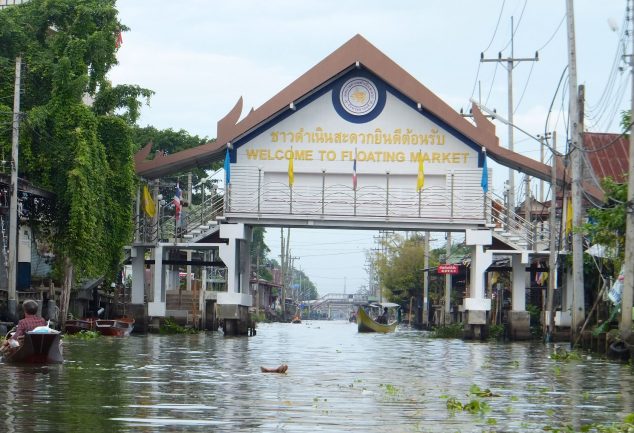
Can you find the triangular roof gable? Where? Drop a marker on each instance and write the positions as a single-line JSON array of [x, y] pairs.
[[335, 83], [357, 51]]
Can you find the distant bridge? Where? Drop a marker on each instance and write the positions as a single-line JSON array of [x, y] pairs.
[[338, 305]]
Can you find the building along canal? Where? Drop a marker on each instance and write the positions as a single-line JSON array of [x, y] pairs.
[[338, 381]]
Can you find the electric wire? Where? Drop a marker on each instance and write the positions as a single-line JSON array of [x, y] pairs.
[[615, 61], [513, 31], [528, 79], [497, 25], [486, 102], [553, 35]]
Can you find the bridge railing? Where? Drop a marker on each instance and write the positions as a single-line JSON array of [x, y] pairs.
[[193, 217], [433, 203]]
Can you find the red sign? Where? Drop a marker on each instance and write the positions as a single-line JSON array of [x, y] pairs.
[[448, 269]]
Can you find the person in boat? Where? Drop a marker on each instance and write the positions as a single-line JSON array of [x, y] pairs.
[[30, 322], [383, 317], [281, 369]]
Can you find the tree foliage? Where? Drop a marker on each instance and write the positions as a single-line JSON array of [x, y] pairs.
[[83, 153], [606, 224]]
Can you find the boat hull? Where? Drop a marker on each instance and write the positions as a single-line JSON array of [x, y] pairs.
[[115, 327], [366, 324], [77, 325], [36, 348]]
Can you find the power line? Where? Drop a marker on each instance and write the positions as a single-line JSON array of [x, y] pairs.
[[554, 33]]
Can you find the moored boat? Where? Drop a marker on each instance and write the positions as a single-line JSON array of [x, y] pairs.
[[366, 324], [36, 347], [121, 327], [75, 326]]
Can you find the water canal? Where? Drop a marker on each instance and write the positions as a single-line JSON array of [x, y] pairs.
[[337, 381]]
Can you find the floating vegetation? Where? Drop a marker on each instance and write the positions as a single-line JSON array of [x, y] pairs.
[[83, 335], [561, 354], [477, 391], [171, 327], [390, 389], [454, 330]]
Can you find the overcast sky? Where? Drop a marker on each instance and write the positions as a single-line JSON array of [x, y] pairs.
[[200, 56]]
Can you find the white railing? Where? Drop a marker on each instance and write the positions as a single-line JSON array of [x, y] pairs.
[[433, 203], [514, 227]]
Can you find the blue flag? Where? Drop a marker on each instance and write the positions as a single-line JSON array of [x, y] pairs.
[[484, 183], [227, 168]]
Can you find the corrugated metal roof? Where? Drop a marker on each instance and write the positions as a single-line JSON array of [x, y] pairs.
[[608, 154]]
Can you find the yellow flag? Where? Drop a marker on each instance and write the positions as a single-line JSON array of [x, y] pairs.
[[148, 203], [569, 216], [291, 174], [420, 182]]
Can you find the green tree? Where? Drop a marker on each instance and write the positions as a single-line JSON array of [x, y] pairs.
[[82, 153], [606, 224]]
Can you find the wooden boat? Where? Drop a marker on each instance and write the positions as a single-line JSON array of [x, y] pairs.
[[121, 327], [366, 324], [75, 326], [296, 319], [36, 348]]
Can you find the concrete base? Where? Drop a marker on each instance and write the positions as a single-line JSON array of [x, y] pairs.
[[12, 307], [235, 319], [137, 311], [476, 317], [211, 322], [519, 325]]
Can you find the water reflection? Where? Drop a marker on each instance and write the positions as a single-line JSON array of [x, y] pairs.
[[338, 380]]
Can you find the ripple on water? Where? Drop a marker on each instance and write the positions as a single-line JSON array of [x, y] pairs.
[[338, 380]]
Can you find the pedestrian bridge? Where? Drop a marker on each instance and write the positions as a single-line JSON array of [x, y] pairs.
[[354, 143]]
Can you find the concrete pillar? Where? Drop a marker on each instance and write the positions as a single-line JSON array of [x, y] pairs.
[[563, 318], [157, 307], [138, 276], [232, 305], [518, 281], [519, 319], [477, 305]]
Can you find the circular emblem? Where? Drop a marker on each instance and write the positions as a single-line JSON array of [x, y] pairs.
[[358, 96]]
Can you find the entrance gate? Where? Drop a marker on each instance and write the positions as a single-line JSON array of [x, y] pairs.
[[356, 142]]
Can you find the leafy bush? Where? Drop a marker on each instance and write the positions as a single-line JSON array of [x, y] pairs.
[[454, 330], [171, 327], [496, 332]]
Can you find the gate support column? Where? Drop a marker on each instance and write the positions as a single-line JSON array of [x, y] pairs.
[[519, 319], [157, 307], [477, 305], [136, 308], [233, 305]]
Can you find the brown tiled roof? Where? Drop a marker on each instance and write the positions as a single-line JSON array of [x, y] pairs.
[[608, 154], [356, 52]]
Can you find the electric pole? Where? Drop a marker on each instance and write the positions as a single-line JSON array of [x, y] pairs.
[[447, 309], [576, 146], [425, 320], [628, 265], [509, 63], [552, 259], [13, 206]]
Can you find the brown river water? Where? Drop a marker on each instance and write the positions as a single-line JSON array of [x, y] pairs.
[[338, 381]]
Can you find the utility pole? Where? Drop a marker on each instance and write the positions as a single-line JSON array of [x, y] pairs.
[[13, 206], [576, 146], [552, 259], [425, 320], [282, 266], [628, 265], [447, 310], [510, 64]]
